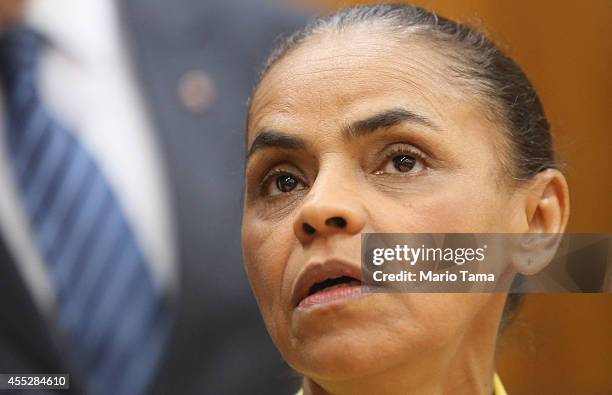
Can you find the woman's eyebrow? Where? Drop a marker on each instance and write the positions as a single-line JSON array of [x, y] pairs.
[[386, 119], [275, 139]]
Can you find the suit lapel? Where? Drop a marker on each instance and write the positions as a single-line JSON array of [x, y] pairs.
[[23, 327]]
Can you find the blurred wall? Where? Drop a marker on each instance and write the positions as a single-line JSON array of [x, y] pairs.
[[559, 344]]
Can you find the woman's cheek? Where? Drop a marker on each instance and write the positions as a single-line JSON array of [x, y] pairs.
[[441, 202], [459, 210], [268, 246], [424, 216], [263, 271]]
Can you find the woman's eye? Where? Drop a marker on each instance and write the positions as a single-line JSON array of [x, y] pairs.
[[283, 183], [286, 183], [404, 163]]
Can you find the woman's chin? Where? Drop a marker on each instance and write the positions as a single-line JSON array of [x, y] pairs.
[[336, 361], [345, 354]]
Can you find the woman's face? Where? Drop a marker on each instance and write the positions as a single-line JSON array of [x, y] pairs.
[[350, 133]]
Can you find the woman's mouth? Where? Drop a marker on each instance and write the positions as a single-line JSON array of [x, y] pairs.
[[331, 290], [328, 282]]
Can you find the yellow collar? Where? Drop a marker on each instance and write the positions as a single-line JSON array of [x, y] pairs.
[[498, 387]]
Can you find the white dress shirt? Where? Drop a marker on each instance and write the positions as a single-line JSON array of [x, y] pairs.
[[87, 82]]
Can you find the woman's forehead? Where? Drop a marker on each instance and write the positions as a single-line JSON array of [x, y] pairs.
[[338, 75]]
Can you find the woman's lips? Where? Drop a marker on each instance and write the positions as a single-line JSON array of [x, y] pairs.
[[322, 283], [332, 294]]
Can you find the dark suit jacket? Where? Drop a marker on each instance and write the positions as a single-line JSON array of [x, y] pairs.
[[218, 343]]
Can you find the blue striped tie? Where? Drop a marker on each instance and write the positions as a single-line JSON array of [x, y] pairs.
[[109, 310]]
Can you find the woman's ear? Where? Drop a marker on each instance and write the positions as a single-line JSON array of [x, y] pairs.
[[547, 212], [547, 208]]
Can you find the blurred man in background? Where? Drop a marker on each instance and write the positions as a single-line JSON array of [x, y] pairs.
[[121, 153]]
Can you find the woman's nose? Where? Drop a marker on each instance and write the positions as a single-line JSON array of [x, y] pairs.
[[322, 217]]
